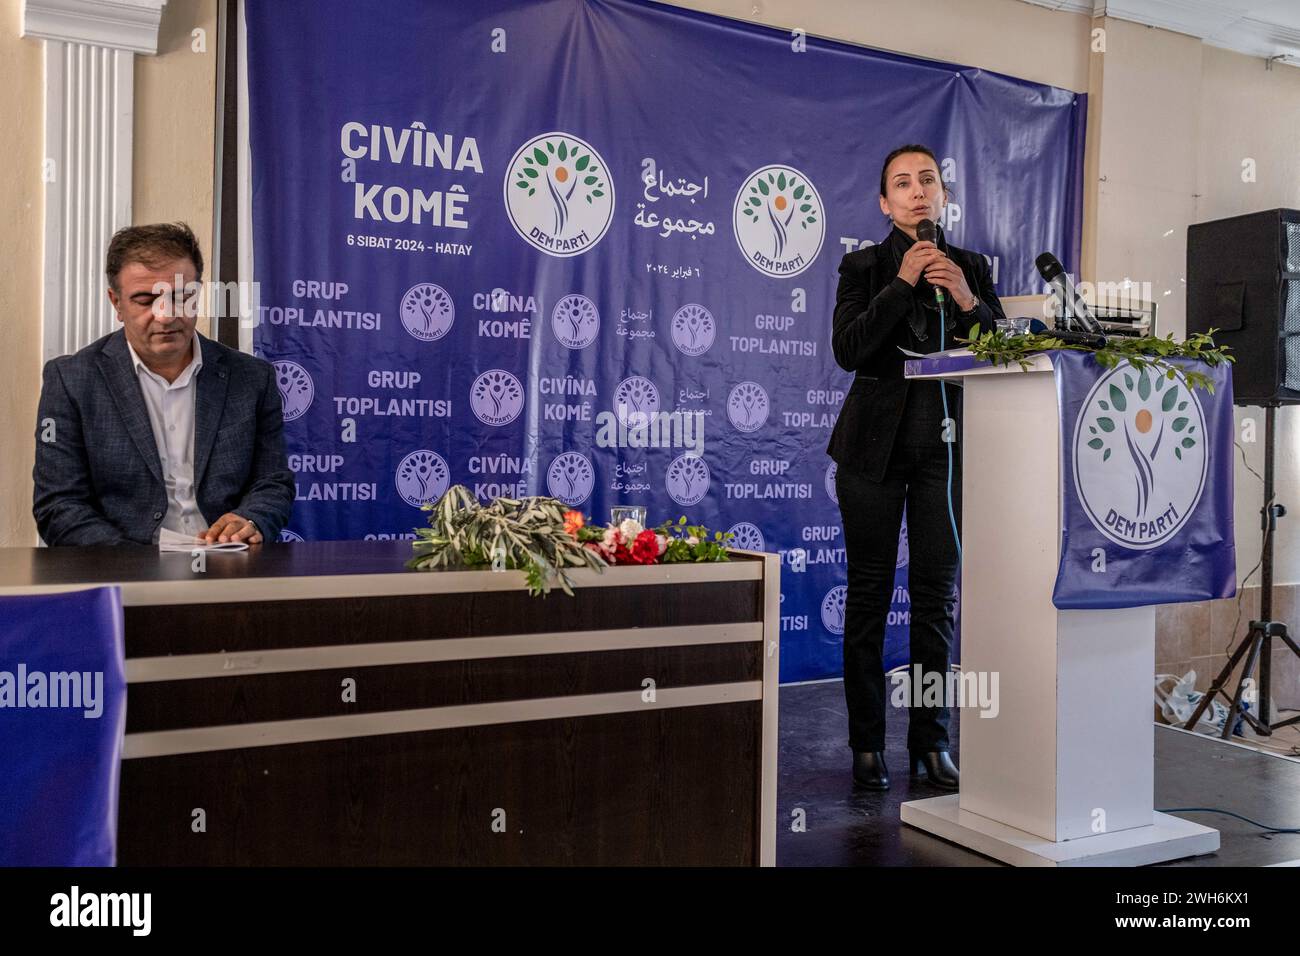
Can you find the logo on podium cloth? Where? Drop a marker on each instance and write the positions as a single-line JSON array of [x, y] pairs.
[[1140, 456]]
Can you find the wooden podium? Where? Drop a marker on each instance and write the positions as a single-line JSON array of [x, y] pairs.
[[1063, 775]]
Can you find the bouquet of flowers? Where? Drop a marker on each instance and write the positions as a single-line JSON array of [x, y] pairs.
[[630, 543], [543, 538]]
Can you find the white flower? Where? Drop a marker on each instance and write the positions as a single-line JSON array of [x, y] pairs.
[[662, 542], [611, 539], [630, 528], [692, 541]]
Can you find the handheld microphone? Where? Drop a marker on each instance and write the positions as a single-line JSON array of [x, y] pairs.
[[1050, 268], [925, 232], [1039, 327]]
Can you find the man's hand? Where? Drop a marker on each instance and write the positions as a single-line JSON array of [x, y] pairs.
[[232, 527]]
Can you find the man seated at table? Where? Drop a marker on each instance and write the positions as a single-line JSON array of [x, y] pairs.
[[154, 426]]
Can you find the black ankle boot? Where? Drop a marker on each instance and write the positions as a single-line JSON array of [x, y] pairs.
[[938, 767], [869, 769]]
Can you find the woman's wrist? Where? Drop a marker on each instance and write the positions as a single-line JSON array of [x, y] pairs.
[[900, 286]]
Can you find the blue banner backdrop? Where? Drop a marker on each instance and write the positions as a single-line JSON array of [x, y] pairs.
[[1146, 486], [536, 247], [62, 715]]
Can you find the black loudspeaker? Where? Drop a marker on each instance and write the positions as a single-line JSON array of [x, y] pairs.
[[1243, 278]]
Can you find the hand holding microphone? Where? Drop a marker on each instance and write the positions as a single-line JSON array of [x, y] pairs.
[[925, 259], [917, 259], [943, 273]]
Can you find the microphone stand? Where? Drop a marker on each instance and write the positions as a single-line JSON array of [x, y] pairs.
[[1258, 642], [1073, 335]]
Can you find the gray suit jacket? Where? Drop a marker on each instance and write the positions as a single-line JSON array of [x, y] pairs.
[[98, 474]]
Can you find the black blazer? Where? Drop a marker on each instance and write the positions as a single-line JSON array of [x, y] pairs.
[[875, 313], [100, 480]]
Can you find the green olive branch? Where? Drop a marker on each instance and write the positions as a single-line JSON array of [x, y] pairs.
[[1145, 352]]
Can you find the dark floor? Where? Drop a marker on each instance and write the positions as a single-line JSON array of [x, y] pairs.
[[854, 827]]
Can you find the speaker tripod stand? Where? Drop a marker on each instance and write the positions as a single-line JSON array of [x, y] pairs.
[[1257, 645]]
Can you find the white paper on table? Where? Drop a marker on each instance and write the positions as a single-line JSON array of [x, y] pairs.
[[171, 541], [925, 355]]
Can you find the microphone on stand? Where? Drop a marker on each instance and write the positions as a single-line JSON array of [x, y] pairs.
[[1053, 273], [1038, 326]]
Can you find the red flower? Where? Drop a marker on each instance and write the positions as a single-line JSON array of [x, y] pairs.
[[645, 548]]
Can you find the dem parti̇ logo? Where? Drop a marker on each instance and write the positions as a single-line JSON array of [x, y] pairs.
[[777, 218], [296, 389], [558, 194], [1140, 458]]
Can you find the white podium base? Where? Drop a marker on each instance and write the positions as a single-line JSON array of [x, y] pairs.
[[1169, 838]]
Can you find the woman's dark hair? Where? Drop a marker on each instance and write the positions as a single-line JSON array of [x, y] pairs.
[[910, 148]]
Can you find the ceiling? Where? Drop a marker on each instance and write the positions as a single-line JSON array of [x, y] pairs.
[[1263, 28]]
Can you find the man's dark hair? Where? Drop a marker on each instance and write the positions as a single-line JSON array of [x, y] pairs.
[[151, 245], [910, 148]]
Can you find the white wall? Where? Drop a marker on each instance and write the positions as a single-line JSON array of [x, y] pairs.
[[1250, 113]]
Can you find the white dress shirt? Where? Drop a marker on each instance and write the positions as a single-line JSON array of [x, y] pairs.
[[171, 413]]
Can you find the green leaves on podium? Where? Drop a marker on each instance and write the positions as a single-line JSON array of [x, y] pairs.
[[1147, 354]]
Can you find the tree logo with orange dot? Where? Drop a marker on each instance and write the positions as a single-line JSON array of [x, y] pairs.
[[558, 194], [778, 221], [1140, 458]]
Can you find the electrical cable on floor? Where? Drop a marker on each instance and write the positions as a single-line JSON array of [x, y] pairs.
[[1229, 813]]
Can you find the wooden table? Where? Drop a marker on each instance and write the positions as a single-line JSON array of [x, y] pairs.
[[320, 704]]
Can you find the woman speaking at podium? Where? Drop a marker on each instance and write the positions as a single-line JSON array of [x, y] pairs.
[[897, 446]]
